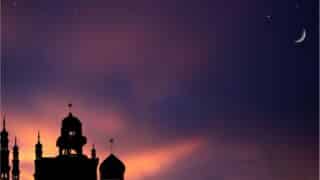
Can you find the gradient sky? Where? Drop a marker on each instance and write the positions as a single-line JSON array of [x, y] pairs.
[[206, 89]]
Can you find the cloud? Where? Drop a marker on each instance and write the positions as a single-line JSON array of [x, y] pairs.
[[151, 162]]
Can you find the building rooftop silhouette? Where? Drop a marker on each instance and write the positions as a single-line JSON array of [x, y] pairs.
[[71, 162]]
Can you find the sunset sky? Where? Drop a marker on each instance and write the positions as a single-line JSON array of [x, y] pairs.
[[206, 89]]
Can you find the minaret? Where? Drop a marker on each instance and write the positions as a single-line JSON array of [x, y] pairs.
[[4, 153], [15, 161], [38, 152], [38, 148]]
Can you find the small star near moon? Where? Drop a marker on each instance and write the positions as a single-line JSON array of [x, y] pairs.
[[297, 5], [268, 18]]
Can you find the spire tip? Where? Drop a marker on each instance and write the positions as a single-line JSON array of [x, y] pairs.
[[4, 122], [39, 137]]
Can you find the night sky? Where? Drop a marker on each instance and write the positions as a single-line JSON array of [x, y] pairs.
[[206, 89]]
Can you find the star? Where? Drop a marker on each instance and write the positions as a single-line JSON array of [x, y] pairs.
[[268, 18], [297, 5], [14, 4]]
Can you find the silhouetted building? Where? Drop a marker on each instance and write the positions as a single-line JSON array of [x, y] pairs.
[[71, 163], [15, 161], [4, 153]]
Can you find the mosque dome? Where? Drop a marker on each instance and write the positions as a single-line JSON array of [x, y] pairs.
[[112, 168], [71, 122]]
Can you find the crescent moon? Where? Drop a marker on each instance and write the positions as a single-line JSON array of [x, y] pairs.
[[302, 37]]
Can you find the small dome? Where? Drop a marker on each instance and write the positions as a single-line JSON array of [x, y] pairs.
[[112, 168]]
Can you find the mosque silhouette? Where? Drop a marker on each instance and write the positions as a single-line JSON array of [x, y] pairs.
[[69, 164]]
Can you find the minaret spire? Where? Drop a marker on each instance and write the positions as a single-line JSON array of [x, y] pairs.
[[38, 148], [39, 142], [4, 122], [4, 152], [15, 162]]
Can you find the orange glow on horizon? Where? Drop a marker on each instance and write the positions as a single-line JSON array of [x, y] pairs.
[[156, 160], [148, 161]]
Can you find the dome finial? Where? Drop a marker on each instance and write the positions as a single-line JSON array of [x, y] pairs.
[[111, 142], [70, 107]]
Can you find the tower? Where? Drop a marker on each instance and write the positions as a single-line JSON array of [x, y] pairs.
[[4, 153], [15, 161], [38, 153]]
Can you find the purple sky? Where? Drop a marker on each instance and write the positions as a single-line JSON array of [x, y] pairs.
[[206, 89]]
